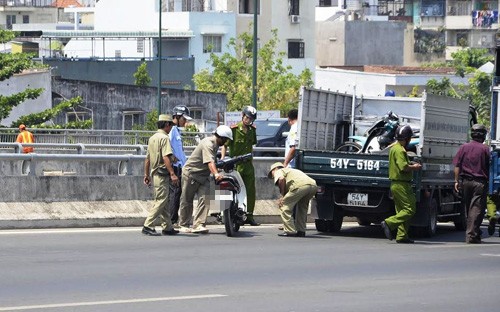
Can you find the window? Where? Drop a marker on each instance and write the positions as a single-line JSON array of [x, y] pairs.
[[196, 113], [77, 116], [246, 6], [325, 3], [212, 43], [131, 118], [295, 49], [26, 19], [140, 45], [118, 54], [293, 7], [432, 8], [11, 19]]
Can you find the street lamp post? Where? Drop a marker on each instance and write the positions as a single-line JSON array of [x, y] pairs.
[[159, 57], [254, 55]]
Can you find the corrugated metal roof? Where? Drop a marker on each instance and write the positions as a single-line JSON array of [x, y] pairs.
[[115, 34]]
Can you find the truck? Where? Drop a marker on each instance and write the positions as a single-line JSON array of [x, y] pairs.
[[356, 184]]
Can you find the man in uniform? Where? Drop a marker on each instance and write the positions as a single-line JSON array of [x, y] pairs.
[[400, 174], [472, 164], [181, 116], [244, 138], [25, 136], [159, 166], [296, 188], [195, 179]]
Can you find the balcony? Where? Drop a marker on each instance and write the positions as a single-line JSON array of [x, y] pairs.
[[459, 22]]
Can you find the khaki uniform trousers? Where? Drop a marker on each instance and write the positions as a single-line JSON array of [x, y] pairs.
[[160, 204], [406, 206], [298, 196], [190, 187]]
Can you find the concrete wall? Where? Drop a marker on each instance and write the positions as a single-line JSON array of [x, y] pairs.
[[33, 79], [176, 73], [330, 43], [108, 101], [374, 43]]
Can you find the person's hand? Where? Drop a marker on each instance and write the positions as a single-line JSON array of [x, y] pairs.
[[417, 166], [456, 187], [280, 202], [174, 179], [147, 181], [218, 177]]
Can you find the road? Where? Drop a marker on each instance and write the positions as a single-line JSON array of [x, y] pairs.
[[118, 269]]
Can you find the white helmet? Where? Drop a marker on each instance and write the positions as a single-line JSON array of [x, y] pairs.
[[224, 132]]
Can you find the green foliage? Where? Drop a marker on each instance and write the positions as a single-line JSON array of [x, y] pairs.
[[38, 119], [141, 76], [466, 61], [429, 41], [7, 35], [277, 87], [7, 103], [11, 64]]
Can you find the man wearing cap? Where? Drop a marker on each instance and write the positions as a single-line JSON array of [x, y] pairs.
[[25, 137], [195, 180], [181, 116], [159, 166], [296, 188]]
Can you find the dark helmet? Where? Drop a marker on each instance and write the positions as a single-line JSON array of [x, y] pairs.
[[478, 131], [250, 112], [404, 132], [181, 110]]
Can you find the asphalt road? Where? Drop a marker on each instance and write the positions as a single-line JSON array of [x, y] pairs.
[[118, 269]]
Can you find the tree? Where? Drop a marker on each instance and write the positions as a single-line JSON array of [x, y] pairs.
[[477, 91], [277, 87], [141, 76]]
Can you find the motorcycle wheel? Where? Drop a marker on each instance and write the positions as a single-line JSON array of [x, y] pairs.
[[231, 225]]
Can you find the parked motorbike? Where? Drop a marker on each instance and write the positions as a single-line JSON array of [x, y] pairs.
[[231, 194], [378, 137]]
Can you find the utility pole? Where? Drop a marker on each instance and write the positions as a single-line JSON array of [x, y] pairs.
[[254, 53], [159, 57]]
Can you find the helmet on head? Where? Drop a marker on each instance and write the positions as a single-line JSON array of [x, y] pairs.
[[224, 132], [404, 132], [250, 112], [390, 93], [181, 110], [478, 131]]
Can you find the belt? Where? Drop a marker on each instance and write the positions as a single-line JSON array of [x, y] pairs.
[[475, 179]]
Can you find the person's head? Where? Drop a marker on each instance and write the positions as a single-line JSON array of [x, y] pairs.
[[22, 127], [293, 114], [248, 115], [223, 133], [404, 134], [274, 167], [181, 115], [478, 132], [165, 122]]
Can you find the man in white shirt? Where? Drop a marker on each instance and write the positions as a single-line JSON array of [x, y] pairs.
[[292, 139]]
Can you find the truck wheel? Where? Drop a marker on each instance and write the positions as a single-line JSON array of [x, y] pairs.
[[363, 222], [461, 221], [321, 225], [338, 217], [430, 229], [352, 147]]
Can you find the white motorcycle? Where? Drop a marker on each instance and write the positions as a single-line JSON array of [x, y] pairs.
[[231, 195]]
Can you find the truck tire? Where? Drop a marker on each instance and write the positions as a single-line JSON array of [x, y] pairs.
[[338, 217], [328, 226], [429, 229], [321, 225], [352, 147], [461, 221]]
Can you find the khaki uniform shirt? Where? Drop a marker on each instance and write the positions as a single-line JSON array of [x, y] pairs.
[[242, 142], [204, 153], [158, 146], [294, 178], [398, 160]]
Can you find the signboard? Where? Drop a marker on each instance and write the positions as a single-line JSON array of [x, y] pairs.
[[231, 118]]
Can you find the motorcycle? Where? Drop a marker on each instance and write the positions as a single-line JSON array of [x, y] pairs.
[[378, 137], [231, 194]]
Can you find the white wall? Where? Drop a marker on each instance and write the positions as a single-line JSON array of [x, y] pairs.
[[115, 15], [19, 83]]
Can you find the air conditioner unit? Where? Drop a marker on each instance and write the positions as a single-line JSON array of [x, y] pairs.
[[294, 19]]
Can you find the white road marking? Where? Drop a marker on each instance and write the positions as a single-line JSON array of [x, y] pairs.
[[464, 245], [491, 255], [94, 303]]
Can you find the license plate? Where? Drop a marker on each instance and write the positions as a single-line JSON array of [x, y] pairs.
[[357, 199]]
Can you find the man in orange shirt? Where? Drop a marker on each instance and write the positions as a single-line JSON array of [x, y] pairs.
[[25, 137]]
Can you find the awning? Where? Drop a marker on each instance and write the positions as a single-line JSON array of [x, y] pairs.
[[116, 34]]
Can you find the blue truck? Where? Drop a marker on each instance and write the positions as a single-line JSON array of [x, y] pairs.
[[356, 183]]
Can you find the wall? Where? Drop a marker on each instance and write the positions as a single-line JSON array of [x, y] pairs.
[[384, 39], [176, 73], [31, 79], [109, 100], [330, 43]]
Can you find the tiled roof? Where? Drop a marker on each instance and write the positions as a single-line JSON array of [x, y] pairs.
[[66, 3]]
